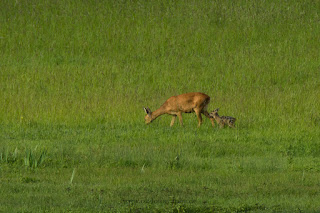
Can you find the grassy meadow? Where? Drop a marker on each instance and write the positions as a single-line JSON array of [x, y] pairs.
[[75, 76]]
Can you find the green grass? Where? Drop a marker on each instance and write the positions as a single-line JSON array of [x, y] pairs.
[[123, 168], [75, 77]]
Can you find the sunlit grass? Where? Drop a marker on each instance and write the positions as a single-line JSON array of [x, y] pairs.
[[250, 58]]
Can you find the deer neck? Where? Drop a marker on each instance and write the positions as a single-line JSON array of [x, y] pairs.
[[158, 112], [217, 117]]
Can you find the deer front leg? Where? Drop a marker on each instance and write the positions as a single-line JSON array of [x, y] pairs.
[[173, 120], [180, 118]]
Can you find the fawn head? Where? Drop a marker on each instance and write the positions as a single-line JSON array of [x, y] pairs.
[[214, 112], [148, 117]]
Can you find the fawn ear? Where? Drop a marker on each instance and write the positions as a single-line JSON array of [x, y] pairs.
[[147, 110]]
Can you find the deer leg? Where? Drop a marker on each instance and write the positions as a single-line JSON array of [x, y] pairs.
[[198, 113], [173, 120], [232, 125], [208, 116], [180, 118]]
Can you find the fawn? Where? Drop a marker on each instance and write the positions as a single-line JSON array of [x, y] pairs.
[[223, 120]]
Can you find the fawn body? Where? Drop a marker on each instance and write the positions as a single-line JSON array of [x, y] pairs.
[[223, 120], [186, 103]]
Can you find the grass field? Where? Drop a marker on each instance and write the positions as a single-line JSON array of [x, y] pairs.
[[75, 76]]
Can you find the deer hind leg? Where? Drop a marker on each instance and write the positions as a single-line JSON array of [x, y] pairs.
[[208, 116], [231, 124], [173, 120], [198, 113]]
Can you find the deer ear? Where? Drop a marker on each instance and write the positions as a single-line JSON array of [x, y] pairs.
[[147, 110]]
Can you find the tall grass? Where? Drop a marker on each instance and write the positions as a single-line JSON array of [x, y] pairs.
[[102, 60]]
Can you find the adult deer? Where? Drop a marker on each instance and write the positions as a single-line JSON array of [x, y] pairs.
[[186, 103]]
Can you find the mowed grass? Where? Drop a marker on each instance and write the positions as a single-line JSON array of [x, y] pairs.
[[124, 168], [75, 77]]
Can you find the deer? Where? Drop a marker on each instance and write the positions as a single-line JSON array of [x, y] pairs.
[[223, 120], [176, 105]]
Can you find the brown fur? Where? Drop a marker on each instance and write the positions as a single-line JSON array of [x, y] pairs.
[[223, 120], [186, 103]]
